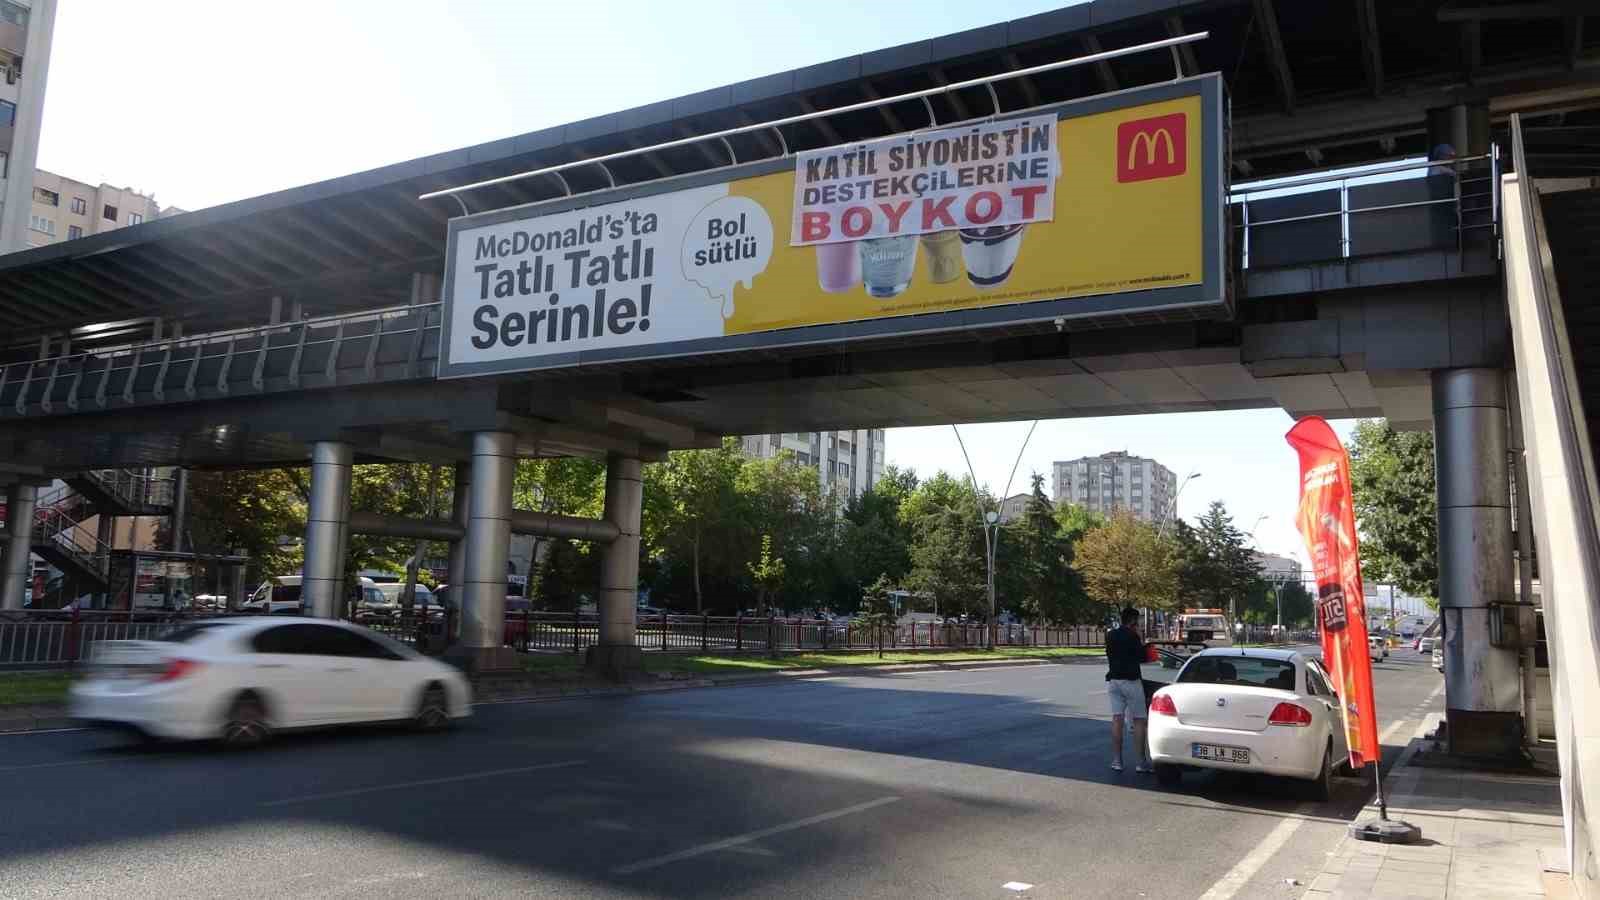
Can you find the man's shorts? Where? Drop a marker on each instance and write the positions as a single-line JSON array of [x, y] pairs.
[[1127, 699]]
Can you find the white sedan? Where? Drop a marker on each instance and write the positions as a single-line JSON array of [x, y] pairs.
[[241, 679], [1248, 710]]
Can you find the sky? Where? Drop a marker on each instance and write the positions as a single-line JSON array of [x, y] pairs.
[[203, 103]]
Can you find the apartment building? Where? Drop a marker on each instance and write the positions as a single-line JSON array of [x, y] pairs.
[[1116, 482], [848, 462], [65, 208], [26, 28]]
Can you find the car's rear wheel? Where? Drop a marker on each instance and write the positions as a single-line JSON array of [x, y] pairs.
[[1321, 787], [433, 710], [246, 724], [1168, 775]]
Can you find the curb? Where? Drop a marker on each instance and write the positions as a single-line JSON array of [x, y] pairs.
[[50, 718]]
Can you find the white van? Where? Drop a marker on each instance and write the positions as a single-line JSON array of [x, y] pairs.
[[280, 595]]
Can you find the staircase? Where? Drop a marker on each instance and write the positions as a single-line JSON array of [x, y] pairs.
[[1572, 227], [59, 535]]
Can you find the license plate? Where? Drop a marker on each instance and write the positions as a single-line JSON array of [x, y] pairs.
[[1217, 753]]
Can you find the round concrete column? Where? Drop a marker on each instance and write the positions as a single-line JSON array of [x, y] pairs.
[[1482, 683], [617, 653], [460, 503], [327, 524], [481, 597], [20, 502]]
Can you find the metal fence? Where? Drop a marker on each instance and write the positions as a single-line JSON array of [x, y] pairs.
[[55, 638]]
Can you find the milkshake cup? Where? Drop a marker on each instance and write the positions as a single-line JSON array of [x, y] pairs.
[[990, 253], [887, 264], [944, 256], [838, 266]]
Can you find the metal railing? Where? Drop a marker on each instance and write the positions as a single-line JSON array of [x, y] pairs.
[[1470, 195], [55, 528], [35, 382], [46, 638], [134, 488]]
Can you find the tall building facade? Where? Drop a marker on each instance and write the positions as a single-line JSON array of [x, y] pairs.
[[64, 208], [26, 28], [1116, 482], [847, 462]]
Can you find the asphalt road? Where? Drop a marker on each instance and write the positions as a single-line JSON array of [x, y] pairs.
[[943, 784]]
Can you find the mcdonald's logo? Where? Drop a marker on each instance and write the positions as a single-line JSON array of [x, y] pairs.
[[1152, 148]]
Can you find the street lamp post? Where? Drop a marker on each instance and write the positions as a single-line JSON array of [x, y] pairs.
[[991, 520], [1172, 506]]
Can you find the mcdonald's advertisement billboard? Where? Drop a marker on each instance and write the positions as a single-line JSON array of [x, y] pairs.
[[1095, 208]]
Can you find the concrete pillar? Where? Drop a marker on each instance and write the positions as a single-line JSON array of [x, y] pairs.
[[618, 653], [327, 530], [481, 596], [20, 500], [1482, 684], [180, 508], [460, 503]]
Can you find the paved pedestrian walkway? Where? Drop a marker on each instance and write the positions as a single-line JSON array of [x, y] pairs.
[[1484, 835]]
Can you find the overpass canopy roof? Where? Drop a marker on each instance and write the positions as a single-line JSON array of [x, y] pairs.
[[1312, 85]]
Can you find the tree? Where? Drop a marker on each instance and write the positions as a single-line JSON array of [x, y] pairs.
[[1034, 573], [1392, 477], [782, 499], [1127, 563], [947, 551], [692, 497], [1216, 570], [251, 510], [767, 572], [874, 540], [568, 486], [877, 610]]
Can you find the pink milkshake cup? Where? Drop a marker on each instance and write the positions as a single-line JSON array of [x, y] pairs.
[[838, 266]]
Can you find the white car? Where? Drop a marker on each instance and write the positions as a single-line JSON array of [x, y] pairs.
[[241, 679], [1377, 647], [1250, 710]]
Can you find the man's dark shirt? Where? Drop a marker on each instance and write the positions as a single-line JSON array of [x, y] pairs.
[[1125, 652]]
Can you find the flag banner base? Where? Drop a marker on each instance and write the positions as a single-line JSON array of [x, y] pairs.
[[1386, 831]]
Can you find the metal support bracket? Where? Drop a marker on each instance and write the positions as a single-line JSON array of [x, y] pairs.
[[332, 367], [299, 351], [159, 389], [105, 379], [45, 403], [133, 377], [194, 369], [227, 363], [72, 389], [261, 362], [370, 365]]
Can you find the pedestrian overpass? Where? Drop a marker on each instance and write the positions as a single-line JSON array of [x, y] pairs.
[[315, 324]]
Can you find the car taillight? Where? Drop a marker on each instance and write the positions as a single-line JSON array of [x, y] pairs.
[[1162, 705], [1289, 714], [177, 668]]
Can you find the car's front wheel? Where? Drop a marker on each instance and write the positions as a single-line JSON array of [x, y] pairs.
[[433, 710], [245, 725]]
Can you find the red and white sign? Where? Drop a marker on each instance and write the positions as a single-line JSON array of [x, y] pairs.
[[1151, 148], [1327, 522], [982, 176]]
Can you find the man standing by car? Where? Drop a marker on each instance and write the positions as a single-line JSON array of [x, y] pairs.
[[1125, 685]]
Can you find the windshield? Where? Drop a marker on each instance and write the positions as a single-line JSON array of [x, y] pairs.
[[1251, 671], [1212, 622]]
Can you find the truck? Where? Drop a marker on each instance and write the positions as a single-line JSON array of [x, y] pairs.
[[1194, 630]]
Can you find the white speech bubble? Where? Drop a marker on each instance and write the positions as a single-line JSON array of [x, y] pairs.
[[727, 243]]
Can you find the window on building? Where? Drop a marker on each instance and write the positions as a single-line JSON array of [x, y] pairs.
[[8, 113], [41, 224], [14, 13], [74, 232], [79, 206], [48, 198], [110, 212], [135, 218], [803, 458]]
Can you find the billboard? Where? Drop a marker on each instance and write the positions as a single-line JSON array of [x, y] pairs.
[[1099, 207]]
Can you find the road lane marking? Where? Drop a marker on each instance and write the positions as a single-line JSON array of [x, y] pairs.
[[1237, 877], [449, 779], [750, 837], [40, 731], [971, 683]]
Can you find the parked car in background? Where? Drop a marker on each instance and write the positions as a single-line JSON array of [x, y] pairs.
[[1438, 658], [1252, 710], [1425, 644], [282, 595], [241, 679], [1377, 647]]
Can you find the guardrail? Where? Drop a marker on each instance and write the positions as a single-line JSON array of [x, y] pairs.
[[1289, 222], [55, 638], [216, 364]]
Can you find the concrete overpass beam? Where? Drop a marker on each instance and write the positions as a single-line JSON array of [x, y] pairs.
[[481, 593], [617, 652], [1483, 700], [327, 529], [20, 500]]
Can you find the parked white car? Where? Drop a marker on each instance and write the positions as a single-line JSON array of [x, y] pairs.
[[1377, 647], [1249, 710], [239, 680]]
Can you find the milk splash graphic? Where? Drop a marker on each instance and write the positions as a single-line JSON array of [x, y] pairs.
[[729, 242]]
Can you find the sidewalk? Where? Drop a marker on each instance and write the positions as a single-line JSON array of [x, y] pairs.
[[1484, 834]]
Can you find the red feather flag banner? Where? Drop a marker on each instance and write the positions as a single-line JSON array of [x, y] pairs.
[[1327, 521]]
